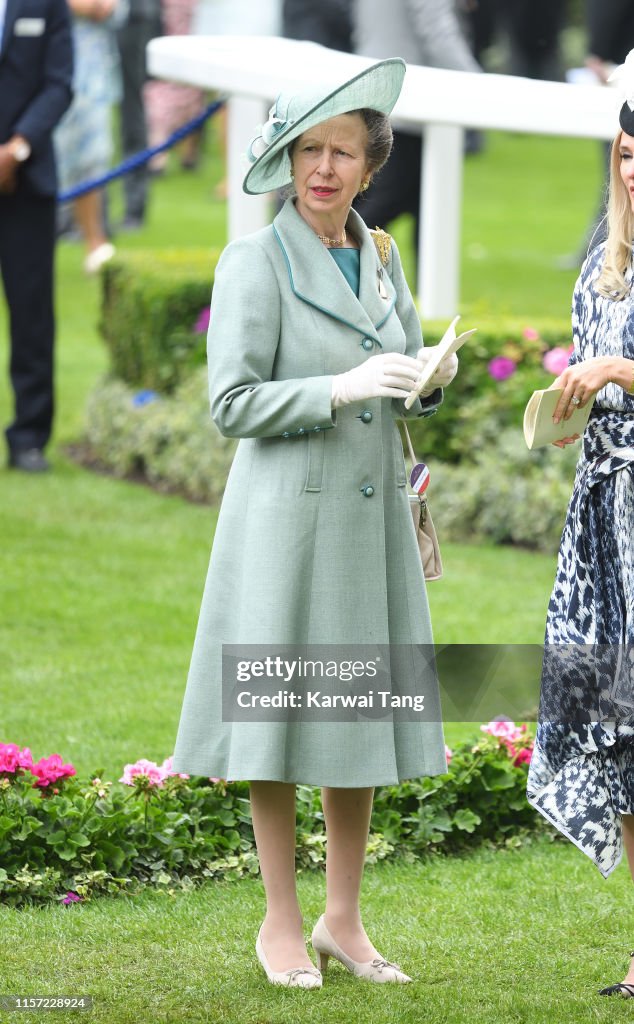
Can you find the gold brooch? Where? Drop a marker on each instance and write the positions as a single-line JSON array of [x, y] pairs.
[[383, 243]]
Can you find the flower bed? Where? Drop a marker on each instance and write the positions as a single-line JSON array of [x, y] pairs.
[[64, 839], [168, 440]]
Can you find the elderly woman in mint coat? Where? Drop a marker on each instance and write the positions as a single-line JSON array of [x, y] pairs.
[[313, 345]]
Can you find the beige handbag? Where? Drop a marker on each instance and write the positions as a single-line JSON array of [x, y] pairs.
[[424, 526], [423, 523]]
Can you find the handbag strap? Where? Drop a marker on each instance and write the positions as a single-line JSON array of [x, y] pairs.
[[410, 447]]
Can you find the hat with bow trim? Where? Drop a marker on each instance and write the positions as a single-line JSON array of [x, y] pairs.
[[375, 88], [623, 79]]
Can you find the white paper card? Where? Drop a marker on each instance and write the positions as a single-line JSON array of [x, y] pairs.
[[447, 345]]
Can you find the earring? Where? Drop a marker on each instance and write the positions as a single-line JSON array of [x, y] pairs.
[[292, 174], [364, 186]]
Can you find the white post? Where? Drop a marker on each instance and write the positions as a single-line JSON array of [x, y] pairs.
[[440, 212], [246, 213]]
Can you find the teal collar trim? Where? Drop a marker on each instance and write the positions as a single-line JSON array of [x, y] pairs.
[[314, 277]]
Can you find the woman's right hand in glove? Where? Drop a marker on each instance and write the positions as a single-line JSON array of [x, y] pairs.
[[387, 375]]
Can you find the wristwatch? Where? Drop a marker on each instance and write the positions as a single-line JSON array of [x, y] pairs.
[[20, 149]]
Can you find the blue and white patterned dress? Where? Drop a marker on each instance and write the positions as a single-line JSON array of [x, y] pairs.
[[581, 775]]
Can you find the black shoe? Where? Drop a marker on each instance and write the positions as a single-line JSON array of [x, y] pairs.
[[622, 989], [29, 460]]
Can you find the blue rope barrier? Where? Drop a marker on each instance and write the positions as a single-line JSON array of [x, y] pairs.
[[132, 162]]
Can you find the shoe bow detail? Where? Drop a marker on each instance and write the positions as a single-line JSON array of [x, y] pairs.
[[380, 963]]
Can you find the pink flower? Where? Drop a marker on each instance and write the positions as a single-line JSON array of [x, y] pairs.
[[530, 334], [167, 768], [51, 769], [71, 897], [202, 323], [524, 755], [12, 759], [147, 772], [448, 754], [505, 730], [501, 367], [555, 360]]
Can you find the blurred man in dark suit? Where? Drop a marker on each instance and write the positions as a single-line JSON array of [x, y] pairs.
[[36, 69], [328, 22]]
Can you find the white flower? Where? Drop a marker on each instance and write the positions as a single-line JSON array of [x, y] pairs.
[[622, 78]]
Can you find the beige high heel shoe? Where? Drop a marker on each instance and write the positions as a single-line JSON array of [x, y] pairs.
[[379, 970], [296, 977]]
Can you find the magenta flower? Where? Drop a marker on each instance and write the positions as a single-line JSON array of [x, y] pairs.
[[202, 323], [167, 768], [71, 897], [524, 755], [555, 360], [530, 334], [501, 367], [448, 754], [146, 772], [51, 769], [12, 759]]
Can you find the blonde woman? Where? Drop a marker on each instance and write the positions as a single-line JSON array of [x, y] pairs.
[[582, 772]]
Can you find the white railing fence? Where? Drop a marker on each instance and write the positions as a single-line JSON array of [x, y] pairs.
[[253, 70]]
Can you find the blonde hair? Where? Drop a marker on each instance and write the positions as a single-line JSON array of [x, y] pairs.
[[617, 259]]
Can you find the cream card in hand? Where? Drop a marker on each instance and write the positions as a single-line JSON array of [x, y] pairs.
[[539, 429], [448, 344]]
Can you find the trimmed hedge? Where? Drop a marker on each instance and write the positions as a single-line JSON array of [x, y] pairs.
[[499, 491], [477, 407], [506, 494], [169, 440], [151, 303]]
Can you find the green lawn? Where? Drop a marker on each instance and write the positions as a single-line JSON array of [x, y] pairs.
[[523, 936], [101, 583]]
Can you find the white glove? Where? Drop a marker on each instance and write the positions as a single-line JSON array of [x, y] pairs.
[[388, 375], [444, 374]]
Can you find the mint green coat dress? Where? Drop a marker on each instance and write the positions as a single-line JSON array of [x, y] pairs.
[[315, 542]]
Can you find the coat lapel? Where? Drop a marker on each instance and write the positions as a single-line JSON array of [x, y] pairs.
[[10, 15], [316, 279]]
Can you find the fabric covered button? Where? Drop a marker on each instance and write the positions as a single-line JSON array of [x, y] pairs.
[[367, 344], [366, 416], [368, 491]]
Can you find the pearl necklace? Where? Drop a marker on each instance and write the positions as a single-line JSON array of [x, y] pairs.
[[335, 242]]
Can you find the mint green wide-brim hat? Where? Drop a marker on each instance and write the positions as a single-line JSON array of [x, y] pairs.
[[375, 88]]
